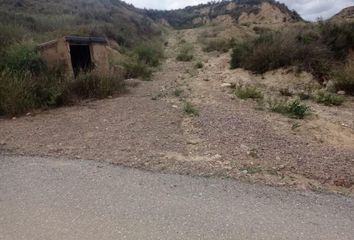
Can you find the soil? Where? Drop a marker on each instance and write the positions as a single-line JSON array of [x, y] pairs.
[[147, 128]]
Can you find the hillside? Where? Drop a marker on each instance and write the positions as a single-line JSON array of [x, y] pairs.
[[345, 14], [235, 11], [46, 19]]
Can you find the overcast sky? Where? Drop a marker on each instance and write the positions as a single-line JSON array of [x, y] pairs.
[[308, 9]]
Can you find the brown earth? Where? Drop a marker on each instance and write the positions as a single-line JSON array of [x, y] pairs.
[[147, 128]]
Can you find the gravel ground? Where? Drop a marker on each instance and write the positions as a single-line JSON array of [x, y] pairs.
[[148, 129]]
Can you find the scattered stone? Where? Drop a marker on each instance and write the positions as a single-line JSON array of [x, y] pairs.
[[244, 171], [14, 118], [226, 85], [193, 141], [28, 114], [342, 93], [206, 79]]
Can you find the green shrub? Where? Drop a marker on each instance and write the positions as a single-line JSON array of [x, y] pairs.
[[136, 70], [178, 92], [24, 92], [185, 54], [291, 47], [199, 65], [149, 54], [344, 78], [328, 99], [220, 45], [293, 109], [88, 85], [190, 109], [338, 36], [237, 55], [20, 59], [248, 91]]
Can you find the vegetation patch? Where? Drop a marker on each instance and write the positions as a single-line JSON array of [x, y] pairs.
[[190, 109], [248, 91], [328, 99], [344, 77], [315, 48], [199, 65], [293, 108], [185, 53], [220, 45]]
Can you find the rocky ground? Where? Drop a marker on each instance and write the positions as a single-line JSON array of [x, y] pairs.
[[147, 128]]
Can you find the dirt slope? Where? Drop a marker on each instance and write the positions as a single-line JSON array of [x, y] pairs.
[[147, 128]]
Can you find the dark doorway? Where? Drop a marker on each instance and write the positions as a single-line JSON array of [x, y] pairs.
[[80, 58]]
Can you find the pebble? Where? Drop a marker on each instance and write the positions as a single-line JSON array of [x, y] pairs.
[[193, 141], [342, 93], [226, 85]]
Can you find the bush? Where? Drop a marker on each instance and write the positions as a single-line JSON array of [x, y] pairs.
[[149, 54], [328, 99], [24, 92], [185, 53], [88, 85], [190, 109], [220, 45], [199, 65], [237, 55], [137, 69], [293, 109], [248, 91], [344, 78], [339, 37], [20, 59], [293, 47]]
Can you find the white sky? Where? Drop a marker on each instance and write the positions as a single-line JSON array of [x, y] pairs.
[[308, 9]]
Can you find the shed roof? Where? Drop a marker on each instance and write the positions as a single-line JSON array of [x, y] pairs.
[[85, 40]]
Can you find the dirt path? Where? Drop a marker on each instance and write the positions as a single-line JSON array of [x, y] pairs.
[[147, 128]]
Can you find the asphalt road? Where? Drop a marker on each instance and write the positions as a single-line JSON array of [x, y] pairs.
[[54, 199]]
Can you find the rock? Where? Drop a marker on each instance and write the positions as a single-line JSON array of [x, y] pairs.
[[330, 86], [2, 143], [14, 118], [226, 85], [193, 141], [244, 172], [175, 106], [342, 93], [206, 79]]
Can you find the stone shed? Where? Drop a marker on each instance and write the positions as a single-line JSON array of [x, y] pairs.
[[76, 54]]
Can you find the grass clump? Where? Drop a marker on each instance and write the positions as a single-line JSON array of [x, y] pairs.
[[220, 45], [328, 99], [344, 78], [178, 92], [185, 54], [149, 54], [190, 109], [137, 69], [199, 65], [248, 91], [293, 108], [88, 85]]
